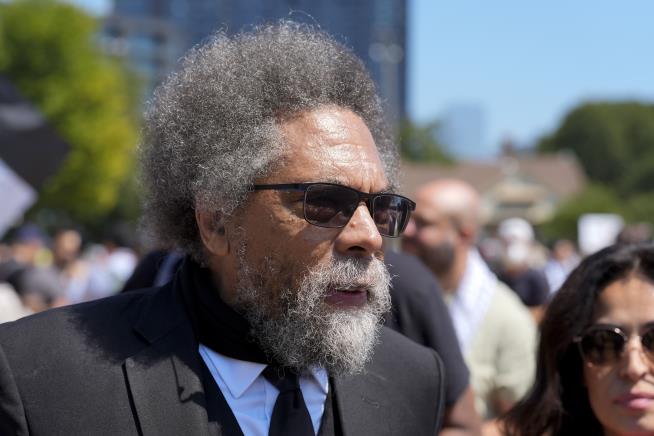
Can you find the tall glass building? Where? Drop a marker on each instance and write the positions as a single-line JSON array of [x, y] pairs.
[[153, 34]]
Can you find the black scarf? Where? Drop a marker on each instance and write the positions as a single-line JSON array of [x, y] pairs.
[[215, 324], [225, 331]]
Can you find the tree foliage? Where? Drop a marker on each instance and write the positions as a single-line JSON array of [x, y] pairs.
[[613, 141], [418, 143], [49, 53], [594, 198]]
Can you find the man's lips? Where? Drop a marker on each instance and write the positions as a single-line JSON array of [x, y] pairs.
[[635, 400], [347, 297]]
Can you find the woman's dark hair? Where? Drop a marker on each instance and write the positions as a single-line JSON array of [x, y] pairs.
[[557, 403]]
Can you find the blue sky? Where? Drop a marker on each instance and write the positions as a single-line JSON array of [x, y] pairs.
[[527, 63], [524, 63]]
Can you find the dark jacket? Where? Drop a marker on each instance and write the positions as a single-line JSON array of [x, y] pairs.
[[129, 365], [419, 313]]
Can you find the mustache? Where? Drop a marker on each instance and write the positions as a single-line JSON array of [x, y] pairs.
[[349, 273]]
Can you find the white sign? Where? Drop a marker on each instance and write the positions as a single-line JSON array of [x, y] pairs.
[[16, 196], [598, 230]]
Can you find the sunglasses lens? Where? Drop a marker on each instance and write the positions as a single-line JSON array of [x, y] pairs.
[[391, 214], [329, 205], [647, 340], [601, 347]]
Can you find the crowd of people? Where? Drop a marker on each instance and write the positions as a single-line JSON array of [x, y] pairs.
[[45, 271], [40, 271], [270, 182], [479, 311]]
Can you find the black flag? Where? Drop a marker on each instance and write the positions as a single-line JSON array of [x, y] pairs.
[[28, 145]]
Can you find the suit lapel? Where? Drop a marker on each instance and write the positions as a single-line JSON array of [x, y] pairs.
[[361, 403], [164, 377]]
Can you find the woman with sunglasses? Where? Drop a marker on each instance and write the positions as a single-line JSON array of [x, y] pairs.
[[595, 369]]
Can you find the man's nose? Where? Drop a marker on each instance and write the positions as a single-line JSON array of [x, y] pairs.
[[360, 235], [635, 363]]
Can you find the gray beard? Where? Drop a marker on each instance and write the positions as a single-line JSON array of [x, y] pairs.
[[299, 330]]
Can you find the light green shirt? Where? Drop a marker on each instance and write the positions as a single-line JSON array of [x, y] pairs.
[[503, 351]]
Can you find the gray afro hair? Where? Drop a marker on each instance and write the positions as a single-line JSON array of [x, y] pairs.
[[211, 128]]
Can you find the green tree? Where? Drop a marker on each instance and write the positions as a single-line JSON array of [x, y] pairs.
[[49, 53], [418, 143], [594, 198], [614, 143], [640, 208]]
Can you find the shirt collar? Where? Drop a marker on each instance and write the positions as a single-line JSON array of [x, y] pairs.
[[476, 281], [321, 377], [239, 375]]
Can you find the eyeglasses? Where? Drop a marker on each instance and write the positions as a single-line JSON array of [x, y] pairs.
[[604, 345], [331, 205]]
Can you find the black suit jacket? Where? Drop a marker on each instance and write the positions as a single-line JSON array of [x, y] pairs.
[[419, 313], [129, 365]]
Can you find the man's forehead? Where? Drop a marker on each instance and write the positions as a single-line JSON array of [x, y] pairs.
[[327, 125], [335, 123], [333, 144]]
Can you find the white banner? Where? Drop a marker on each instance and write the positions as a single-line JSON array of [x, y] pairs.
[[598, 230]]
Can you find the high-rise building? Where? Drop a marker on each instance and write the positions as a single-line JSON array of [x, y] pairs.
[[462, 132], [153, 34]]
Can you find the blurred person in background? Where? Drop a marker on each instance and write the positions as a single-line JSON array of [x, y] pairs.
[[635, 233], [73, 271], [418, 311], [491, 249], [495, 331], [519, 232], [27, 272], [5, 251], [596, 354], [40, 288], [110, 265], [563, 259], [26, 247], [522, 262]]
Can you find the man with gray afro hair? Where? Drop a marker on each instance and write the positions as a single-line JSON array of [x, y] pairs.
[[266, 161], [214, 127]]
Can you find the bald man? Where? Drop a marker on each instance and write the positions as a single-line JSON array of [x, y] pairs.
[[495, 331]]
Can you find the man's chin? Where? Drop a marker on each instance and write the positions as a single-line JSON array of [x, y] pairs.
[[339, 340], [328, 317], [355, 340]]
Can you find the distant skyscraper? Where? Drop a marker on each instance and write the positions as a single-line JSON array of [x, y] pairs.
[[153, 34], [462, 132]]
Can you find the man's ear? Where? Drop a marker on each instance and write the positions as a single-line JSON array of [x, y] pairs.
[[467, 232], [212, 232]]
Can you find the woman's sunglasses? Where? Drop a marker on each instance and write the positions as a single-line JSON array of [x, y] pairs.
[[332, 205], [604, 345]]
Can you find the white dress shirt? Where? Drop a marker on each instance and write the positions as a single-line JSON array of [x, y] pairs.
[[469, 304], [252, 398]]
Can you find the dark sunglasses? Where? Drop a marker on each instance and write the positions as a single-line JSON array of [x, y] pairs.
[[332, 205], [604, 345]]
